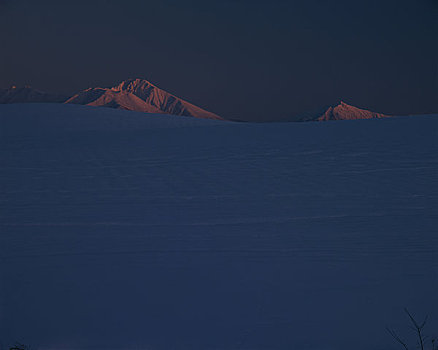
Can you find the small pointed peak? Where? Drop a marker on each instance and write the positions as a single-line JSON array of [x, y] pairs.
[[344, 105], [136, 81], [133, 83]]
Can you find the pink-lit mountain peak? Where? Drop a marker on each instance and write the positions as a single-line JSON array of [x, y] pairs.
[[344, 111], [145, 90], [163, 100], [101, 97], [126, 95], [133, 84]]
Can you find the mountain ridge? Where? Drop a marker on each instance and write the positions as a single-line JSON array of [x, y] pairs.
[[128, 94], [102, 97], [140, 95]]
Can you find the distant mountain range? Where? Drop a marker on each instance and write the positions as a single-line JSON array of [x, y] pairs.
[[28, 95], [142, 96]]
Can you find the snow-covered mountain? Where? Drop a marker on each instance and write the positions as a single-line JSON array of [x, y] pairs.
[[140, 95], [114, 99], [344, 111], [340, 111], [28, 95]]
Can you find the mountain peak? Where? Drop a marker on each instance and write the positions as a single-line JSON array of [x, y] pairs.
[[344, 111], [140, 95], [338, 111], [133, 83]]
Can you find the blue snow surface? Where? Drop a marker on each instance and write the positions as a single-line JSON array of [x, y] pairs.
[[120, 230]]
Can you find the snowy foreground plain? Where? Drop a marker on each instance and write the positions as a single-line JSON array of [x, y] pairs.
[[122, 231]]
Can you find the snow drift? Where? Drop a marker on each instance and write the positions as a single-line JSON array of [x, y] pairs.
[[123, 231]]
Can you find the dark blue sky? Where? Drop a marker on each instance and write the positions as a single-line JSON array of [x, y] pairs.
[[239, 58]]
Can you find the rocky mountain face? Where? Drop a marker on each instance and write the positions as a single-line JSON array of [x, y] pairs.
[[343, 111], [140, 95], [100, 97], [340, 111]]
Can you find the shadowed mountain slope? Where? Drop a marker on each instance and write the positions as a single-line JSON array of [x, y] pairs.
[[28, 95]]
